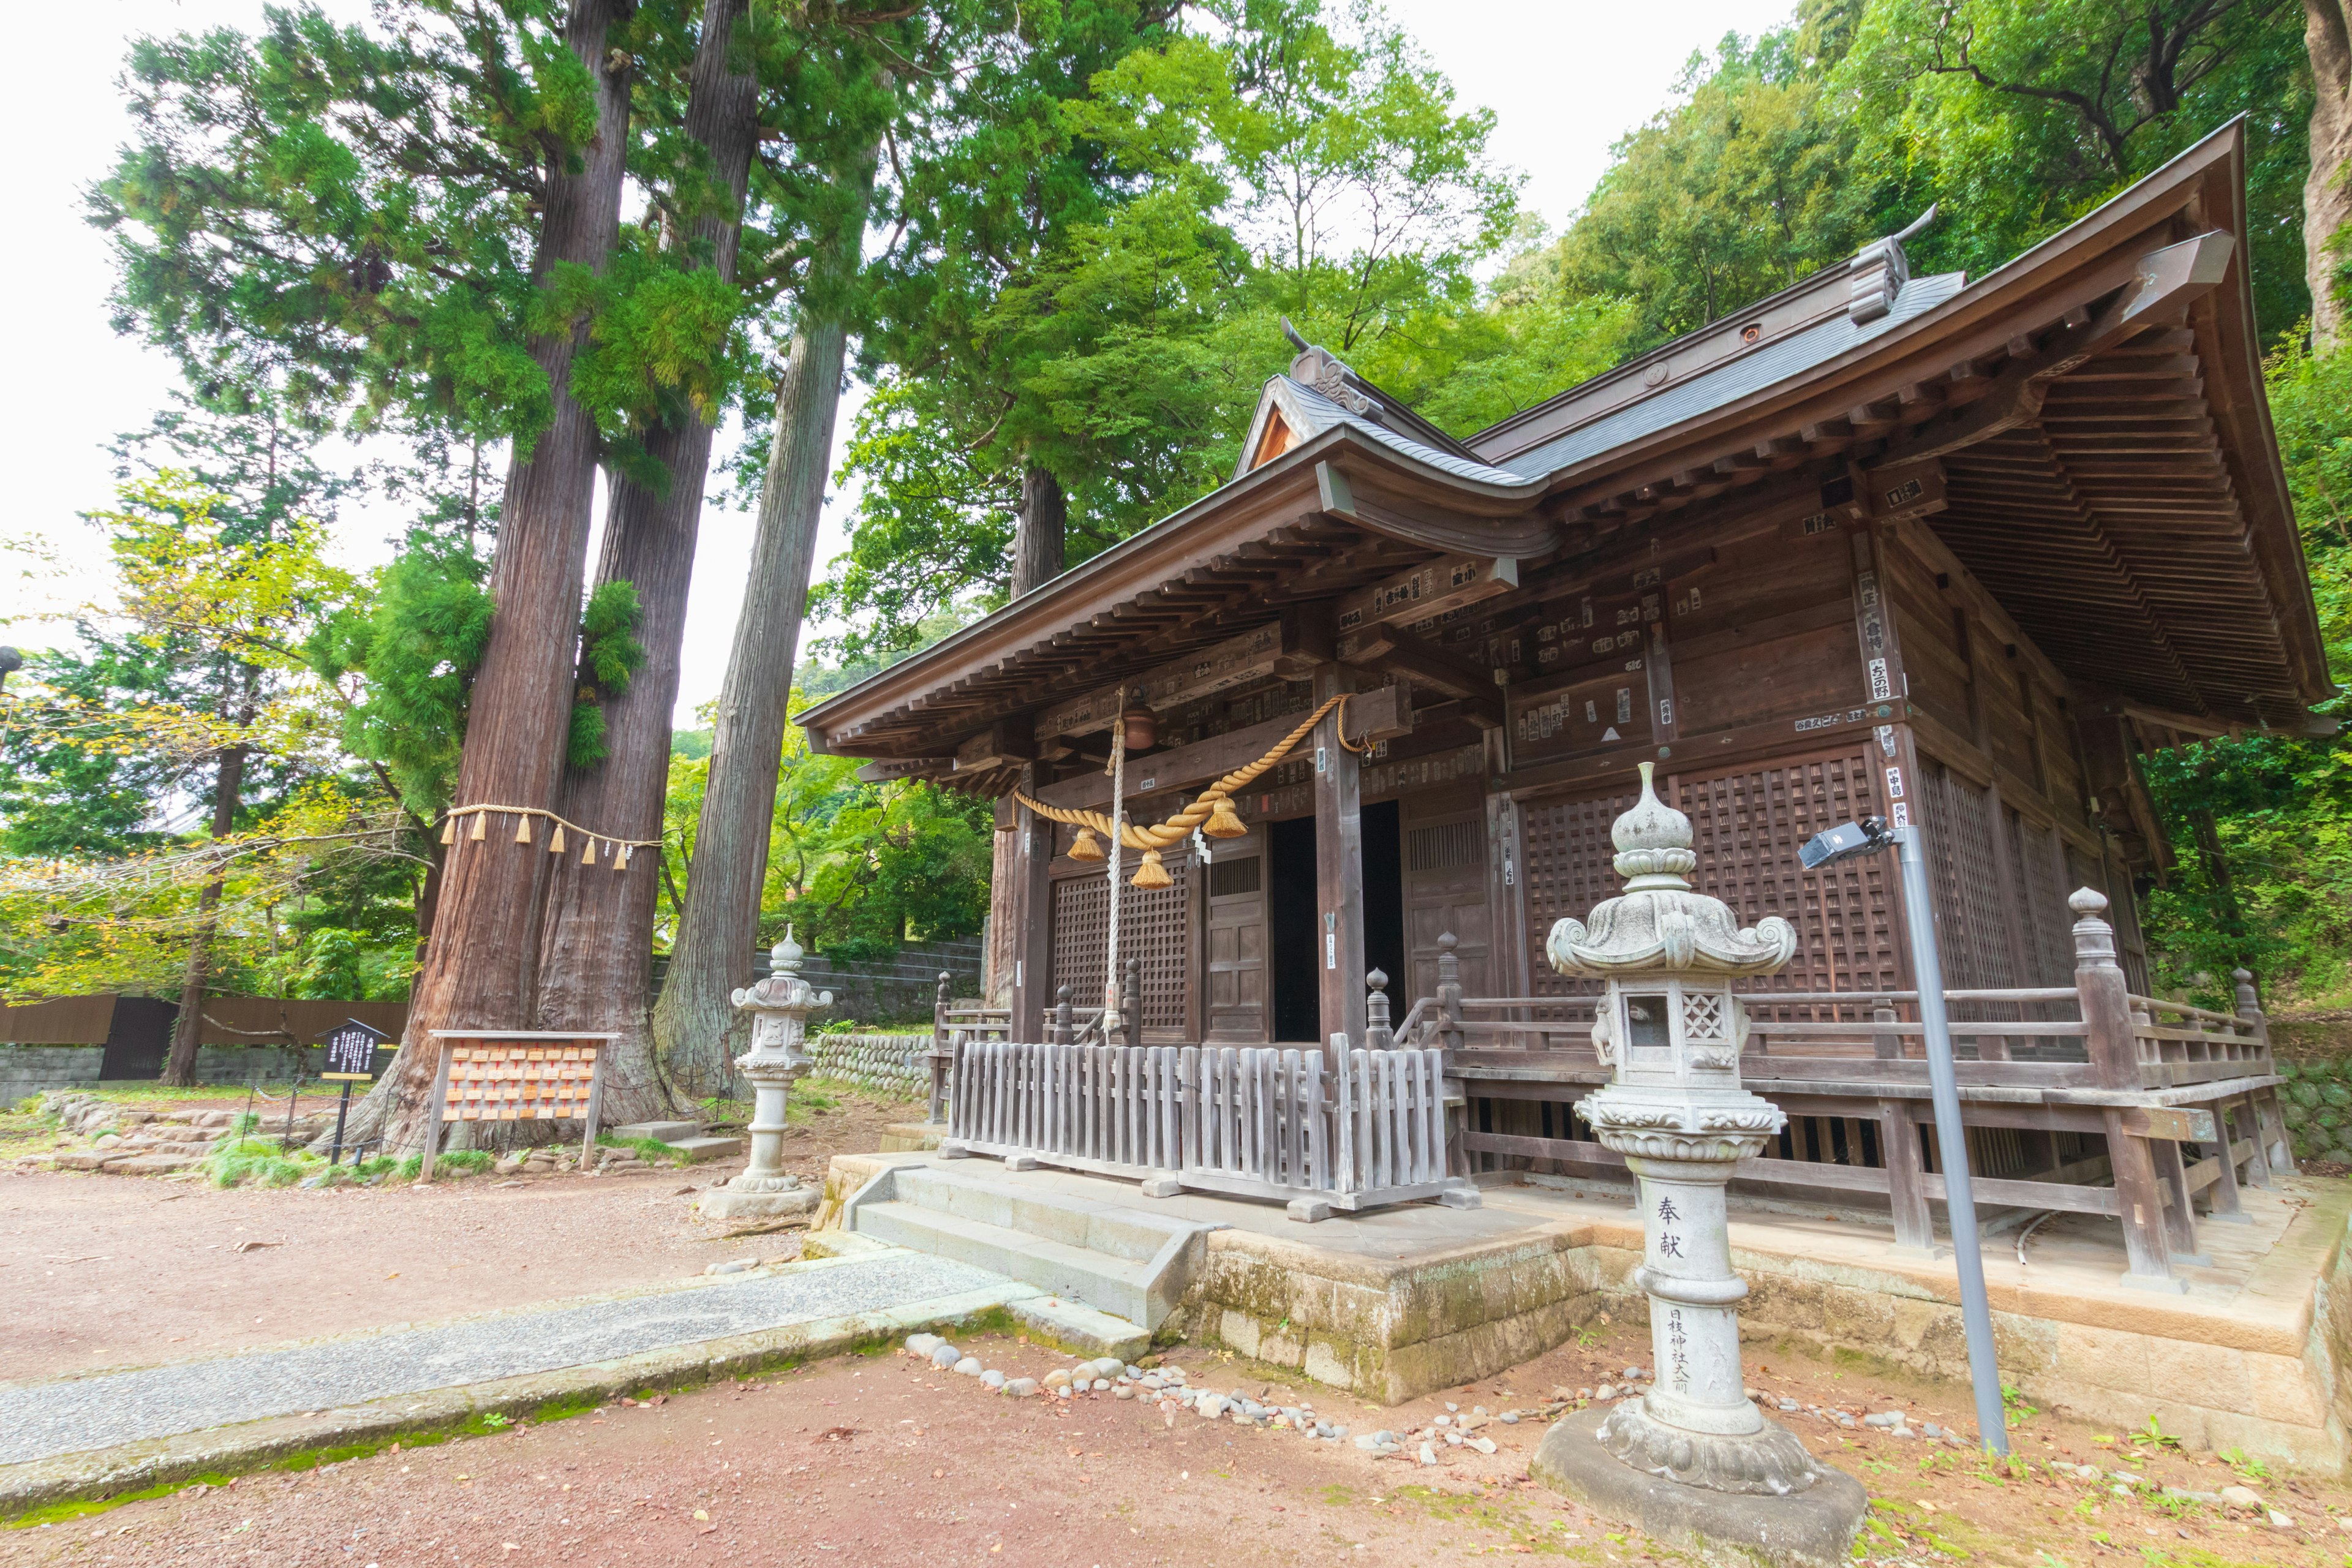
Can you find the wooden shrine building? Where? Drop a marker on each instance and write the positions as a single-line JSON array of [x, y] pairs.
[[1947, 551]]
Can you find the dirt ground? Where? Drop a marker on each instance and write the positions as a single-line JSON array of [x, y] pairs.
[[130, 1270], [883, 1461]]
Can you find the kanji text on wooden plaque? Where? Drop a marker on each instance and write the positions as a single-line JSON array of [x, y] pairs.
[[498, 1082]]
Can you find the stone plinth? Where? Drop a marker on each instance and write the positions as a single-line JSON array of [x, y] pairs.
[[1813, 1529]]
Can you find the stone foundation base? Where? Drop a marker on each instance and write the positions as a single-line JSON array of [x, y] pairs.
[[1813, 1529], [723, 1202]]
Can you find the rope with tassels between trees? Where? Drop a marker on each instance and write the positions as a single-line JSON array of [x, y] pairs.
[[481, 814], [1212, 810]]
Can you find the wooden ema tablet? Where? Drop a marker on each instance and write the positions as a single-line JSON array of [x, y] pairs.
[[518, 1083]]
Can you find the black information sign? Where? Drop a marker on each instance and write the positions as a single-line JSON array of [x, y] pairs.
[[351, 1049], [351, 1057]]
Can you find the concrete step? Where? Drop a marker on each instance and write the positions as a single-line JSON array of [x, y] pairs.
[[1133, 1235], [697, 1150], [1132, 1263], [1118, 1286], [1079, 1329], [661, 1132]]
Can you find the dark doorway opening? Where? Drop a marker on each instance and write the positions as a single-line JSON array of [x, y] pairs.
[[1291, 922], [1384, 902]]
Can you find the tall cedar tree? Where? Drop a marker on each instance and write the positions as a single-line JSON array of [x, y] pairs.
[[595, 964]]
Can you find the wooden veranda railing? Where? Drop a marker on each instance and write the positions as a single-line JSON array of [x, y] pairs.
[[2182, 1101], [1356, 1129]]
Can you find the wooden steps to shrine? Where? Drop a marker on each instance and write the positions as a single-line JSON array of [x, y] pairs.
[[1129, 1263]]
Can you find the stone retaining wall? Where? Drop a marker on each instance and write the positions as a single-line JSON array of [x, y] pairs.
[[888, 1064], [2317, 1101], [34, 1069]]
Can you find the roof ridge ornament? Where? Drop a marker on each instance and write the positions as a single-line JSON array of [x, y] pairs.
[[1879, 270], [1325, 373]]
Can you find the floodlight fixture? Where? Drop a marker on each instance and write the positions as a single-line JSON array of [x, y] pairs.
[[1867, 837]]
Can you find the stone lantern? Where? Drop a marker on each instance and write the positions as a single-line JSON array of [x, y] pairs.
[[779, 1006], [1692, 1459]]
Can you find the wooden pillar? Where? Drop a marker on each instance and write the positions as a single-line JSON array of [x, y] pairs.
[[1510, 958], [2258, 1165], [1030, 911], [2139, 1198], [1898, 1134], [2179, 1211], [2221, 1197], [1339, 869]]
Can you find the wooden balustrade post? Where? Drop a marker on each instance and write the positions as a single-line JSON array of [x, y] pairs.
[[1130, 1003], [2107, 1033], [937, 1110], [1449, 993], [1378, 1034], [1887, 1047], [1061, 1023], [2273, 1151]]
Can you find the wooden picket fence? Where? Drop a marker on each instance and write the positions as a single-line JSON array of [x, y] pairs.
[[1255, 1121]]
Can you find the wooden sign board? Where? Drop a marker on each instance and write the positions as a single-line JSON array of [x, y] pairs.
[[1428, 590], [510, 1075], [1236, 662], [351, 1051]]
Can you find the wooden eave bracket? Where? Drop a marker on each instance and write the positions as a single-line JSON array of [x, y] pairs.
[[2165, 282]]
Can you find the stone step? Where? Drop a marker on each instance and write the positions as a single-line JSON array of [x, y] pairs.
[[1132, 1235], [697, 1150], [1118, 1286], [1079, 1329], [660, 1132]]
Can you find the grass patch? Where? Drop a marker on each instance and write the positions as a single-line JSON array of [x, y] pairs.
[[260, 1161], [652, 1150]]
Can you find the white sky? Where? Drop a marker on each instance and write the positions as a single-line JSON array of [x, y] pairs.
[[1564, 81]]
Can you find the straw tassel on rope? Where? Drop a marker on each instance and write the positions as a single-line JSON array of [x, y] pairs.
[[1212, 811]]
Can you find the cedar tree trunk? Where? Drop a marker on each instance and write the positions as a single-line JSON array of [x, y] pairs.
[[1037, 539], [712, 956], [187, 1029], [2327, 189], [595, 958], [478, 963]]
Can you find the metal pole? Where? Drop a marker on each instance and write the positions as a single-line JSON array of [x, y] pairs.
[[1951, 1141]]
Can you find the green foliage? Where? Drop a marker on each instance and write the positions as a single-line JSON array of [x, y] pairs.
[[2270, 887], [415, 648], [1746, 184], [610, 654], [855, 869]]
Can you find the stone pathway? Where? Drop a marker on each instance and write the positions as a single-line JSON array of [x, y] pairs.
[[71, 1415]]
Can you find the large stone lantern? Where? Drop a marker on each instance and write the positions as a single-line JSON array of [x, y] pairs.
[[1693, 1458], [779, 1006]]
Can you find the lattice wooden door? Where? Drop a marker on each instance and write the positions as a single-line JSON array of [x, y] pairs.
[[1155, 925]]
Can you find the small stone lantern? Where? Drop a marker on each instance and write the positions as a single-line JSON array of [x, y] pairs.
[[779, 1006], [1692, 1459]]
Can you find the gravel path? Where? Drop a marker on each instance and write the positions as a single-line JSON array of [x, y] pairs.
[[73, 1416]]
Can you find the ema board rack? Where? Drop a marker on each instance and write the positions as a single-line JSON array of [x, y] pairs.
[[517, 1075]]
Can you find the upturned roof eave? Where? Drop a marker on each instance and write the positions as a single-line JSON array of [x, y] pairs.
[[1136, 562]]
